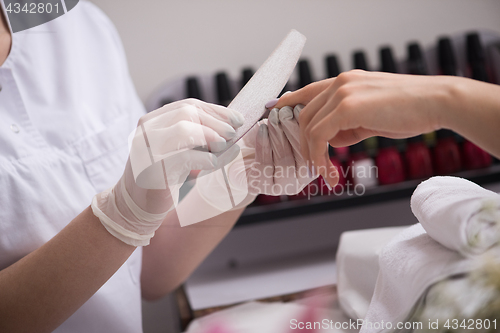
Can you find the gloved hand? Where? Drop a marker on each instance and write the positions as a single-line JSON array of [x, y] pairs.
[[161, 157], [270, 163]]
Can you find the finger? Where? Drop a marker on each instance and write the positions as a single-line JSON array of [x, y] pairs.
[[296, 112], [291, 129], [182, 135], [263, 169], [303, 95], [318, 137], [229, 116], [191, 113], [283, 159]]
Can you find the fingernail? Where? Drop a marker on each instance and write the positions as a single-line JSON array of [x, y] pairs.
[[237, 119], [271, 103], [328, 185], [217, 146], [230, 133]]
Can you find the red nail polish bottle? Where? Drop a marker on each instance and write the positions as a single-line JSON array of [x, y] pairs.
[[418, 159], [446, 154], [342, 181], [473, 156], [389, 163], [263, 199]]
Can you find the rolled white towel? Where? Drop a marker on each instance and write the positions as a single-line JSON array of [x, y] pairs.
[[458, 213], [357, 267], [408, 266]]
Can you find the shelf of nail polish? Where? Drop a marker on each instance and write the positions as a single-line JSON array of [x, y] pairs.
[[399, 164], [317, 200]]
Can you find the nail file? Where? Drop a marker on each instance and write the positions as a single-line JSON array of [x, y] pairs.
[[266, 83]]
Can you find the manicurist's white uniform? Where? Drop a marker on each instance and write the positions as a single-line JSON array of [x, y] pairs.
[[67, 105]]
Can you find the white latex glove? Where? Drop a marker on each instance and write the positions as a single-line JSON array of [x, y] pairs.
[[161, 157], [270, 163]]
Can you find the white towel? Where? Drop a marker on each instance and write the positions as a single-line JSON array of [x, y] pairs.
[[409, 264], [357, 267], [459, 214]]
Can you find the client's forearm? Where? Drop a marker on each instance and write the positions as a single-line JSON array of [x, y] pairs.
[[474, 112], [175, 251]]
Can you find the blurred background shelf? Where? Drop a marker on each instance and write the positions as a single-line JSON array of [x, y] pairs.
[[332, 202]]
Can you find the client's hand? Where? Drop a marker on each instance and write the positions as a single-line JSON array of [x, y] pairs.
[[270, 163]]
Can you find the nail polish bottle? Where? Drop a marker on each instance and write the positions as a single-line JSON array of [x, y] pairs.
[[342, 153], [361, 168], [332, 66], [446, 154], [418, 159], [305, 75], [193, 88], [417, 66], [389, 162], [476, 58], [224, 95], [342, 181], [360, 62], [473, 156], [388, 65], [246, 75], [263, 199]]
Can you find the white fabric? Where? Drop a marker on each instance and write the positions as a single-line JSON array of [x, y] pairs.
[[458, 213], [66, 87], [358, 266], [409, 264]]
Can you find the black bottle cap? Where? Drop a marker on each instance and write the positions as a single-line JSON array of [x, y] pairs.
[[387, 60], [357, 148], [285, 89], [360, 62], [332, 66], [193, 88], [305, 76], [476, 57], [415, 139], [446, 57], [224, 95], [444, 133], [384, 142], [416, 61], [246, 75]]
